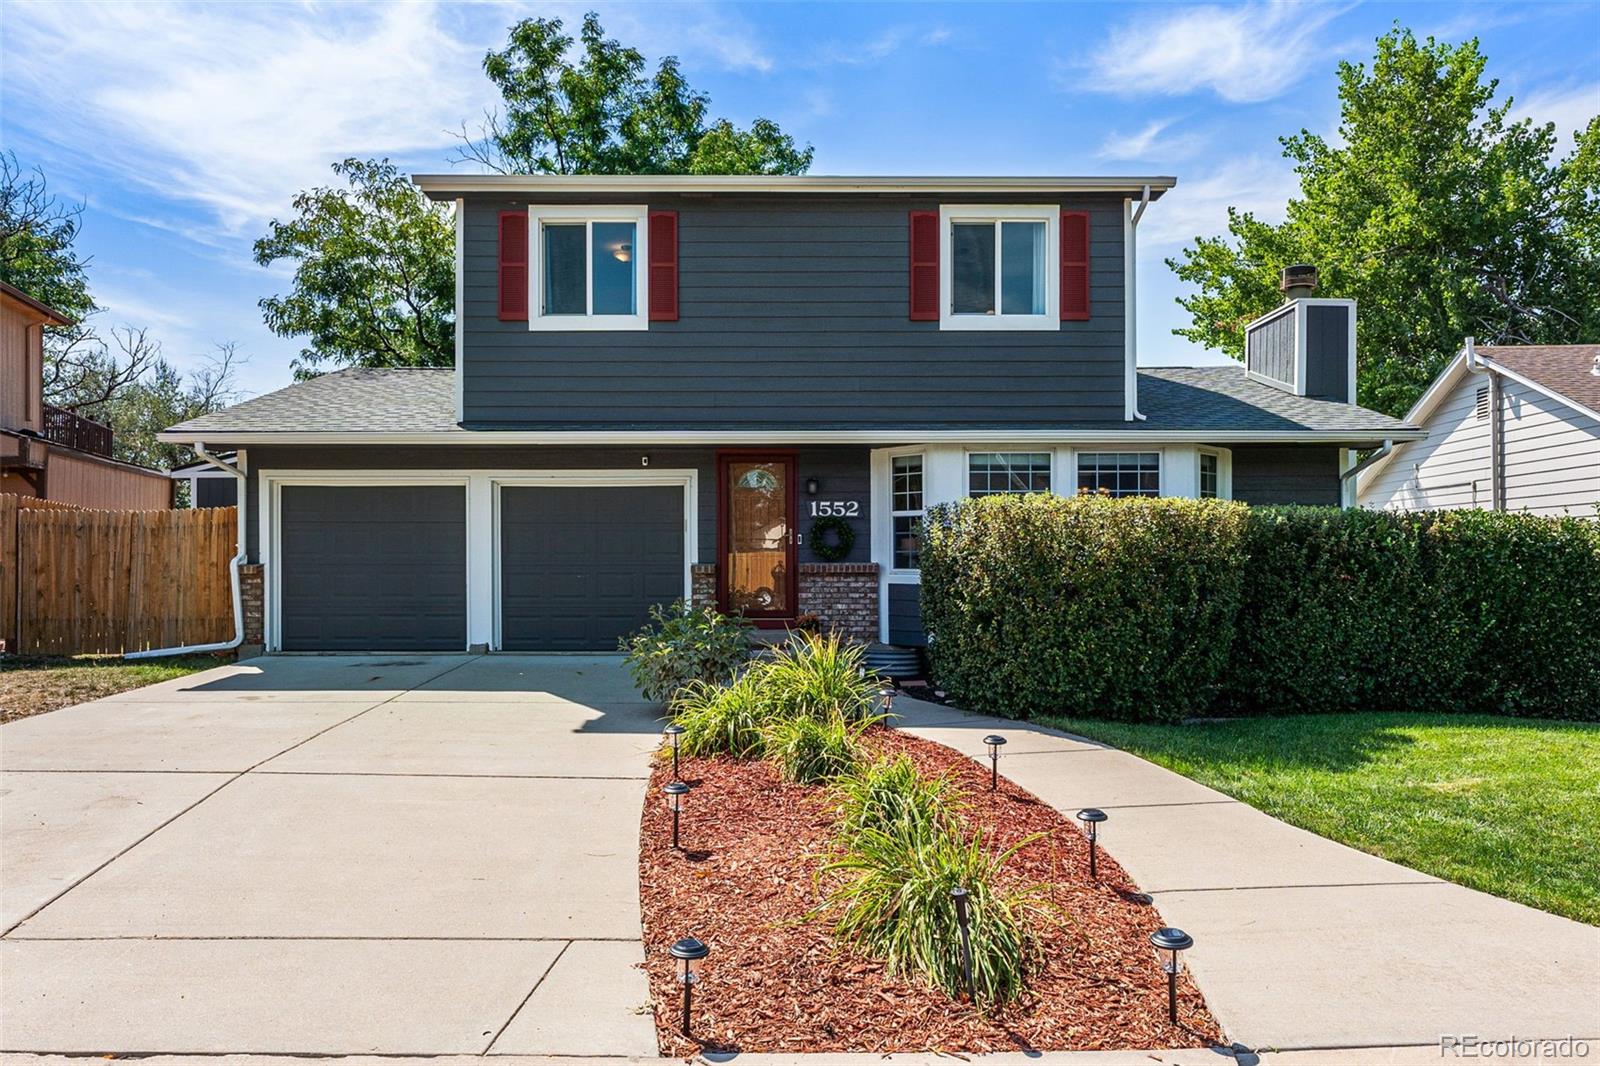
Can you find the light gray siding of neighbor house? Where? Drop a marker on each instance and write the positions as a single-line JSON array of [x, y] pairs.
[[1286, 473], [842, 473], [792, 314], [1552, 456]]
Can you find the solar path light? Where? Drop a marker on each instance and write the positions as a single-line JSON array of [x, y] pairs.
[[995, 742], [964, 920], [1171, 941], [690, 952], [672, 733], [1091, 817], [675, 791]]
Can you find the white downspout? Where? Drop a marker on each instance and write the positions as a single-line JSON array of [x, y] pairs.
[[1130, 253], [233, 572]]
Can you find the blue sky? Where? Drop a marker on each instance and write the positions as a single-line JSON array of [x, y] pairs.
[[185, 128]]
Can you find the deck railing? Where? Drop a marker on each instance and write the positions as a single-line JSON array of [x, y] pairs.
[[72, 430]]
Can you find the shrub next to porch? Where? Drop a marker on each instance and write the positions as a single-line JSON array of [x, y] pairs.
[[1037, 603], [1158, 609]]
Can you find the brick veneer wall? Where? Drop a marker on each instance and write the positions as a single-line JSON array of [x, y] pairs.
[[843, 596], [251, 594]]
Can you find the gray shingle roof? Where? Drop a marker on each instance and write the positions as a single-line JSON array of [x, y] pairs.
[[1215, 400]]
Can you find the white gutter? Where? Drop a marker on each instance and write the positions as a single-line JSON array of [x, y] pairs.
[[199, 449], [451, 186], [1130, 274], [1376, 457]]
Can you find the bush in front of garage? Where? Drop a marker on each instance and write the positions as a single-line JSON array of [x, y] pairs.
[[1119, 608], [683, 644], [1158, 609]]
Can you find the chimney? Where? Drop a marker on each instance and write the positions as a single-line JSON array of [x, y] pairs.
[[1305, 346], [1298, 282]]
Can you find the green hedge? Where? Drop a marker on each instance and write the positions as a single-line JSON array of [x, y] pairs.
[[1043, 603], [1162, 609]]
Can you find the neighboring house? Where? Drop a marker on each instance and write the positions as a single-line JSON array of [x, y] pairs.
[[662, 383], [208, 486], [1510, 428], [48, 453]]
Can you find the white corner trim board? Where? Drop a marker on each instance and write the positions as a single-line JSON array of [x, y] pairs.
[[483, 526]]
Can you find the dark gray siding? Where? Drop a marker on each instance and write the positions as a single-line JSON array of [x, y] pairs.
[[1286, 473], [1270, 349], [216, 491], [905, 615], [792, 313], [1328, 353], [842, 471]]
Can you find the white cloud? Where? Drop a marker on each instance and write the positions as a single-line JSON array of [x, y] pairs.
[[1244, 54], [1149, 143], [887, 43], [1256, 184], [1569, 107]]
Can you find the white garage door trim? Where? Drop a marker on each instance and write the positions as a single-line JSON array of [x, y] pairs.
[[483, 527], [688, 479]]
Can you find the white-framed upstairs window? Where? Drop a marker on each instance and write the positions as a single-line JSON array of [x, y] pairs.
[[587, 267], [907, 506], [1120, 473], [1000, 267], [998, 473]]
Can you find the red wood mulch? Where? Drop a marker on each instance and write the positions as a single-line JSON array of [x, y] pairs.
[[777, 982]]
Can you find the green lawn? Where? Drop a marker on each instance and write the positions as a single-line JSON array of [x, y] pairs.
[[32, 685], [1504, 805]]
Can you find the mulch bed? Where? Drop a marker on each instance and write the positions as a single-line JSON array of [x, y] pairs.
[[777, 982]]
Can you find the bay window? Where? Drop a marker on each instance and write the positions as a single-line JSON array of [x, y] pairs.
[[906, 508], [1120, 473], [994, 473]]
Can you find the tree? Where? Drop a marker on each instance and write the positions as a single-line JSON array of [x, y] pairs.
[[375, 280], [1437, 215], [601, 114], [37, 232], [159, 397]]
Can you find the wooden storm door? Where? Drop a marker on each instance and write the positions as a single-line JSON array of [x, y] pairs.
[[755, 534]]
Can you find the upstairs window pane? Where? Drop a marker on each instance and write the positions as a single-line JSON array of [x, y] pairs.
[[972, 268], [614, 266], [1022, 268], [563, 270]]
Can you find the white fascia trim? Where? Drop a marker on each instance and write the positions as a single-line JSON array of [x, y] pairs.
[[451, 185], [639, 215], [1050, 215], [493, 438]]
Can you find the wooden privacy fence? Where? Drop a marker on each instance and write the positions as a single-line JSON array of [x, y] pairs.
[[75, 581]]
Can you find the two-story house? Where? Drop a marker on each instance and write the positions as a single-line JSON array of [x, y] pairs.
[[52, 454], [748, 390]]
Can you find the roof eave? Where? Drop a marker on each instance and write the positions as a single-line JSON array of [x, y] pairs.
[[449, 186]]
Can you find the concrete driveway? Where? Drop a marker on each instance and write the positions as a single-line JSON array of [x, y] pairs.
[[397, 855]]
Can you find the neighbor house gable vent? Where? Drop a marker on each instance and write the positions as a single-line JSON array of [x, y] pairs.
[[1481, 407]]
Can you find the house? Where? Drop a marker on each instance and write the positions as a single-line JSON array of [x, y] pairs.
[[1510, 428], [208, 485], [746, 391], [46, 452]]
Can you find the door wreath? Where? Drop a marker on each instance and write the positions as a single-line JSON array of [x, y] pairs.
[[844, 538]]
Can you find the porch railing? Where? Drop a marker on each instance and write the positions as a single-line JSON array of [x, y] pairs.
[[72, 430]]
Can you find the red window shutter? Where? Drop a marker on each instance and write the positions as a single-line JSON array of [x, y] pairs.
[[663, 279], [513, 266], [1074, 266], [924, 266]]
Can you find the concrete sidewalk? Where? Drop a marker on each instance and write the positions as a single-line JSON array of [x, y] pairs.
[[340, 855], [1302, 943]]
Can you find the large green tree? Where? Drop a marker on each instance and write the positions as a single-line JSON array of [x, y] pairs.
[[374, 280], [600, 113], [1436, 213]]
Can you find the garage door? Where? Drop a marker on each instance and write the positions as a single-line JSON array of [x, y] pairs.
[[580, 566], [373, 568]]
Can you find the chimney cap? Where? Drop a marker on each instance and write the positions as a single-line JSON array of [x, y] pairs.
[[1298, 276]]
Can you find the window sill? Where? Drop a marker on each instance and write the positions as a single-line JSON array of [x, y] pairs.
[[998, 323], [587, 323]]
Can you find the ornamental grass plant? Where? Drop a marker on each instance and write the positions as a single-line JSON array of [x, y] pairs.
[[891, 795], [813, 751]]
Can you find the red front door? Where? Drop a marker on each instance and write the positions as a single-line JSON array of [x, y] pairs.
[[756, 535]]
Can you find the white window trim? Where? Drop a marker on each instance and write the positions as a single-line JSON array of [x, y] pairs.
[[1050, 215], [1224, 458], [889, 509], [483, 527], [538, 215], [966, 467]]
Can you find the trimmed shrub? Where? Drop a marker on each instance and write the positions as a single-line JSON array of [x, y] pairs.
[[684, 644], [1082, 605], [892, 901], [726, 719], [810, 751]]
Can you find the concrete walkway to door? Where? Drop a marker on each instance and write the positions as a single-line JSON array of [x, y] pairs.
[[1302, 943], [396, 855]]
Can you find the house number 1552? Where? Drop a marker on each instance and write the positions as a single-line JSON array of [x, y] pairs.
[[835, 509]]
